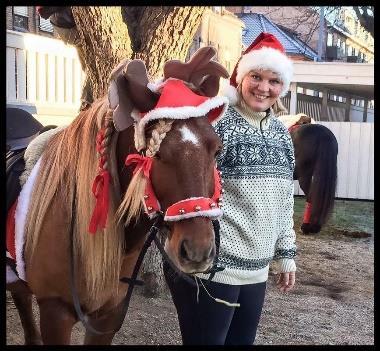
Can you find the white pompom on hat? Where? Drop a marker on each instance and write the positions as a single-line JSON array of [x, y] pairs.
[[266, 52]]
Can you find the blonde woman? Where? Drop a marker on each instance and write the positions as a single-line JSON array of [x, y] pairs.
[[257, 164]]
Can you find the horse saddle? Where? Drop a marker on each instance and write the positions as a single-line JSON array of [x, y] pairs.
[[21, 128]]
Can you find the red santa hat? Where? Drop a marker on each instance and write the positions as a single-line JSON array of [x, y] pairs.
[[265, 53], [177, 101]]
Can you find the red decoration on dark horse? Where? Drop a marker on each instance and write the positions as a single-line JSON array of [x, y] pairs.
[[316, 150]]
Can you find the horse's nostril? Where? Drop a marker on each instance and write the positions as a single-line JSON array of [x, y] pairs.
[[183, 251], [195, 256]]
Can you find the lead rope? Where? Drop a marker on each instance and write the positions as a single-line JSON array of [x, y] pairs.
[[229, 304], [215, 268]]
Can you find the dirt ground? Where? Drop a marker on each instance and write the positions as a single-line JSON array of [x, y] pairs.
[[331, 304]]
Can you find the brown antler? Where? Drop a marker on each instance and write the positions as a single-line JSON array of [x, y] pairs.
[[128, 90], [200, 70], [183, 71]]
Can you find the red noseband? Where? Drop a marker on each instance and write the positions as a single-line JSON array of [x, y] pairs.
[[183, 209]]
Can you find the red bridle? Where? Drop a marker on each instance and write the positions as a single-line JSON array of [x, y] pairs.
[[183, 209]]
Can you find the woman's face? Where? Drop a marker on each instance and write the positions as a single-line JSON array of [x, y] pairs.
[[260, 89]]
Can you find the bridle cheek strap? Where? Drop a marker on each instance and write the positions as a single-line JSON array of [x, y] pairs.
[[188, 208], [151, 204]]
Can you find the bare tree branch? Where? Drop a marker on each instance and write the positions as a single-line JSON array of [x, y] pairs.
[[365, 15]]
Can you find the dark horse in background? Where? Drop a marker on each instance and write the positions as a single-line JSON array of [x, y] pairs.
[[316, 150]]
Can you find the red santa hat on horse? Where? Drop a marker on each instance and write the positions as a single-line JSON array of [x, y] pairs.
[[265, 53]]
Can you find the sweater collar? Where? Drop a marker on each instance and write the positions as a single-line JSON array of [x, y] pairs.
[[252, 117]]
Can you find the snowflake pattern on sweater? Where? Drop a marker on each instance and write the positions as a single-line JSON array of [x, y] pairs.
[[257, 224]]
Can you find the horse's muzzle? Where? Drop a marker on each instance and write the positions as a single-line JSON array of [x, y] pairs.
[[193, 259], [191, 245]]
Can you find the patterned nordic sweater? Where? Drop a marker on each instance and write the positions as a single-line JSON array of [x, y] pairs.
[[257, 222]]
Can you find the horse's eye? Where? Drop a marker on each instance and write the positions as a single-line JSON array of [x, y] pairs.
[[217, 153], [157, 156]]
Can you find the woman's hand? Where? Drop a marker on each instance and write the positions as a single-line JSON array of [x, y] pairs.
[[285, 281]]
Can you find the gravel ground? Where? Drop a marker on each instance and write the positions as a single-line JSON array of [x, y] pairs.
[[331, 304]]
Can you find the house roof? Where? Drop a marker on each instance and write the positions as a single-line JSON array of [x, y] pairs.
[[256, 23]]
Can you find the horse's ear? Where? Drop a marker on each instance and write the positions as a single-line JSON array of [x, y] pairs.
[[128, 91]]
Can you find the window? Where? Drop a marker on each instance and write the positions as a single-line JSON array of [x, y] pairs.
[[329, 39], [349, 50], [45, 25], [338, 43], [344, 47], [20, 18], [353, 52]]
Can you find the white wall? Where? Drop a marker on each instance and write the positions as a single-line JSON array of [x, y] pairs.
[[44, 76], [355, 160]]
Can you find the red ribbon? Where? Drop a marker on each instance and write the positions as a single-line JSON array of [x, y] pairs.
[[143, 162], [307, 213], [100, 188]]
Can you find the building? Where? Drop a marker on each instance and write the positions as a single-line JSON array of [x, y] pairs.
[[295, 48], [294, 18], [222, 30], [26, 19], [347, 40], [344, 38]]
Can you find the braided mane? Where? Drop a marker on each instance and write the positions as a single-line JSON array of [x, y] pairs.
[[132, 203]]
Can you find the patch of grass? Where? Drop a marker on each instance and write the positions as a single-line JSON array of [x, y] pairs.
[[347, 215]]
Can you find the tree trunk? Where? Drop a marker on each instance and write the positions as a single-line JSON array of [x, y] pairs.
[[155, 35], [152, 34]]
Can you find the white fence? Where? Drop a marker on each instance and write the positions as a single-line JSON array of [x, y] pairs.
[[355, 160], [312, 105], [44, 76]]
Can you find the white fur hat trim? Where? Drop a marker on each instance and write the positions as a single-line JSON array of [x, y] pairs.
[[230, 92], [267, 58]]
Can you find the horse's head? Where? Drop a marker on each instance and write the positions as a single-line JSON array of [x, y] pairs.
[[178, 170], [183, 168]]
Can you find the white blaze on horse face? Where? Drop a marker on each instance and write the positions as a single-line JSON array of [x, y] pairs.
[[188, 135]]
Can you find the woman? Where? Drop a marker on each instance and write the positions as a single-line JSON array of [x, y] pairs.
[[257, 164]]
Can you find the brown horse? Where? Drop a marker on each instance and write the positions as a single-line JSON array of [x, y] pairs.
[[175, 175], [316, 150]]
